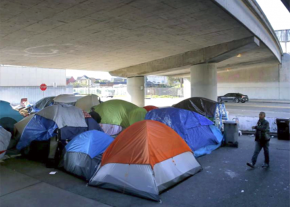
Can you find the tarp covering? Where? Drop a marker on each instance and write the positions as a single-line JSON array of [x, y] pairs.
[[149, 108], [7, 111], [69, 119], [5, 137], [115, 112], [136, 115], [19, 126], [38, 129], [92, 143], [192, 127], [64, 115], [87, 102], [203, 106], [145, 142], [42, 103], [208, 149]]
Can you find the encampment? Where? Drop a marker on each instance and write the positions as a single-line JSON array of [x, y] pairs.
[[84, 152], [5, 137], [144, 160], [194, 128]]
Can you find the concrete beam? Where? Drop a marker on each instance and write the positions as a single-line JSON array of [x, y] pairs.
[[212, 54]]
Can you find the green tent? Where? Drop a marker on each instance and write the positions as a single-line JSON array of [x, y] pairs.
[[137, 115], [117, 112]]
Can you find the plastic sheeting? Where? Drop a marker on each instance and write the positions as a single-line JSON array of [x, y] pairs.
[[191, 126], [5, 137], [115, 112], [38, 129], [145, 142], [208, 149], [111, 129], [136, 115], [7, 111], [203, 106], [64, 115], [91, 142], [87, 102], [69, 99]]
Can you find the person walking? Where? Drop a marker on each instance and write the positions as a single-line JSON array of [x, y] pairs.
[[262, 139]]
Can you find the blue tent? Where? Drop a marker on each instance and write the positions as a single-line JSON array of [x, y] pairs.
[[84, 152], [68, 119], [197, 131], [7, 111]]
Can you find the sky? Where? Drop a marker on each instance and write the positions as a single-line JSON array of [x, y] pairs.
[[277, 14]]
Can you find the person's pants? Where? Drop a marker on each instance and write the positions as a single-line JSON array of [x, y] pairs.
[[258, 148]]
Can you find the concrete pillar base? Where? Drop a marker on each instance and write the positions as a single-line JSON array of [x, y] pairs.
[[186, 88], [135, 90], [204, 81]]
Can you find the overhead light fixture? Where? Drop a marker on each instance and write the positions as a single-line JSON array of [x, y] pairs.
[[239, 55]]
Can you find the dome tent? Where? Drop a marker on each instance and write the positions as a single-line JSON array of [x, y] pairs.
[[149, 108], [118, 114], [87, 102], [160, 159], [194, 128], [84, 153], [42, 103]]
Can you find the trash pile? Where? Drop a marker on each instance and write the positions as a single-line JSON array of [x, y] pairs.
[[116, 145]]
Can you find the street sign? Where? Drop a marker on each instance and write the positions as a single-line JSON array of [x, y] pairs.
[[43, 87]]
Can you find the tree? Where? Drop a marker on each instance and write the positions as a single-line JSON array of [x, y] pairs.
[[174, 81]]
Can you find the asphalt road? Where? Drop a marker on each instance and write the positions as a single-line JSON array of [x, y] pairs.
[[275, 110], [225, 181]]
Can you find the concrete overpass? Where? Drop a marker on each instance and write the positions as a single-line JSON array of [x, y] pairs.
[[135, 38]]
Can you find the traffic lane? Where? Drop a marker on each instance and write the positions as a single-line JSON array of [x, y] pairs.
[[273, 107]]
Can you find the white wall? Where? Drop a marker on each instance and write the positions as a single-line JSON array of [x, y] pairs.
[[28, 76]]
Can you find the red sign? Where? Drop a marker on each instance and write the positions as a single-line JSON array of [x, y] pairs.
[[43, 87]]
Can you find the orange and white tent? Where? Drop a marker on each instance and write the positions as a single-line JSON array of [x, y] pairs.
[[144, 160]]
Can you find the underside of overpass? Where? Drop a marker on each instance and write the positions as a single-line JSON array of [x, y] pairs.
[[131, 38]]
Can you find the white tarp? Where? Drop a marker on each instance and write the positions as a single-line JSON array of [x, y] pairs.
[[87, 102]]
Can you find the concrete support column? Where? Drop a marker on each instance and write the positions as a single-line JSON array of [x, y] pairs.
[[135, 90], [204, 81], [186, 88]]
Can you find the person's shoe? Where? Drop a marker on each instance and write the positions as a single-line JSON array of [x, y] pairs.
[[265, 165], [251, 164]]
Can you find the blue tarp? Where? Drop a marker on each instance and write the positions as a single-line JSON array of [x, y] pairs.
[[7, 111], [42, 129], [194, 128], [92, 143], [38, 129]]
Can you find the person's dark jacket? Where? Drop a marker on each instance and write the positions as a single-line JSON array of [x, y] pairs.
[[96, 116], [262, 131]]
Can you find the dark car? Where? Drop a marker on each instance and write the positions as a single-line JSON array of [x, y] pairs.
[[234, 97]]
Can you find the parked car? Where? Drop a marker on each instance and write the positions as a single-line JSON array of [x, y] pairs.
[[235, 97]]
